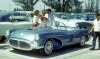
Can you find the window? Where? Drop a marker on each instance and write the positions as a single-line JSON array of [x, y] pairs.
[[18, 18], [8, 17]]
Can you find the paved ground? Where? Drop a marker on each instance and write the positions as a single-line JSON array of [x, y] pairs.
[[74, 52]]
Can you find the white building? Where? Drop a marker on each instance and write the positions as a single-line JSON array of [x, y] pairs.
[[40, 6]]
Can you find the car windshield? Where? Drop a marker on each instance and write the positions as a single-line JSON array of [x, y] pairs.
[[69, 16], [19, 18], [61, 15], [90, 17], [78, 17]]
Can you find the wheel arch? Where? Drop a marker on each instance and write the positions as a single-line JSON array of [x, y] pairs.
[[86, 36], [57, 42]]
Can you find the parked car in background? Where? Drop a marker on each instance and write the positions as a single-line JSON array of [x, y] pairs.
[[12, 20], [90, 16], [28, 13], [69, 19], [74, 19], [46, 39]]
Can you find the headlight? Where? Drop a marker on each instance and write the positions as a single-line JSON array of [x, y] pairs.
[[33, 37]]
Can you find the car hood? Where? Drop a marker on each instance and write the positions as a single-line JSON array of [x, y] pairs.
[[28, 33]]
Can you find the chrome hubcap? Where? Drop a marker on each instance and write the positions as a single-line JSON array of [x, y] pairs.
[[82, 42], [48, 47]]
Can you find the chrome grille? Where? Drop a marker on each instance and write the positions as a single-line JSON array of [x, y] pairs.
[[24, 44], [20, 44], [14, 43]]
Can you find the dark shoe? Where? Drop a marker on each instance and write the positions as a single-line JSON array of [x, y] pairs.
[[92, 48]]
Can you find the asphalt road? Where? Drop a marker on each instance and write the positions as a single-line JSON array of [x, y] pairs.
[[73, 52]]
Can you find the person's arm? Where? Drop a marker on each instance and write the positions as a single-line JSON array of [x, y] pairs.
[[93, 26], [92, 29], [47, 16]]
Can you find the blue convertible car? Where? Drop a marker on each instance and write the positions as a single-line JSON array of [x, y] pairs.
[[46, 39]]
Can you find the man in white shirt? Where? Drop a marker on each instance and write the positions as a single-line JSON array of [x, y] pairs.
[[96, 33], [49, 16]]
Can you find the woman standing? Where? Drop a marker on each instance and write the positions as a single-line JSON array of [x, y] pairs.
[[36, 17]]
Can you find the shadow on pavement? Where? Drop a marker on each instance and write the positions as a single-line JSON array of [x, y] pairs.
[[56, 52]]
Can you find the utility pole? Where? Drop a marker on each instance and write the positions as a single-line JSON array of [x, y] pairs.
[[27, 5], [63, 6], [97, 5]]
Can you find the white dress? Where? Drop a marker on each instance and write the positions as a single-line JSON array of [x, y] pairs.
[[35, 19]]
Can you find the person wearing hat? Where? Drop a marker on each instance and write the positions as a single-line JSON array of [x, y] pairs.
[[96, 32]]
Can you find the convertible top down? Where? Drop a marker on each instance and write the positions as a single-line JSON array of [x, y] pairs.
[[46, 39]]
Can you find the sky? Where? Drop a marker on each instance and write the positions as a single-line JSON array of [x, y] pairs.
[[7, 5]]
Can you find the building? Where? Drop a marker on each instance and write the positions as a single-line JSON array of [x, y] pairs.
[[40, 6]]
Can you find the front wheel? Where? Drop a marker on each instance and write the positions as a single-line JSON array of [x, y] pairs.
[[48, 47], [82, 41]]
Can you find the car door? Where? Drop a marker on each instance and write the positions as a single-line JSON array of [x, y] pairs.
[[76, 36], [72, 36], [68, 34]]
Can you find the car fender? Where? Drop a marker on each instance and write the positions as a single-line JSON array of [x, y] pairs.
[[10, 31], [57, 42]]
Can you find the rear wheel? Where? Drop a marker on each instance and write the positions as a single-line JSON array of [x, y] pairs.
[[82, 41], [48, 47]]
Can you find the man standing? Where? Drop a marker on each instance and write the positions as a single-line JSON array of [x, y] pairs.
[[96, 29], [49, 16]]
